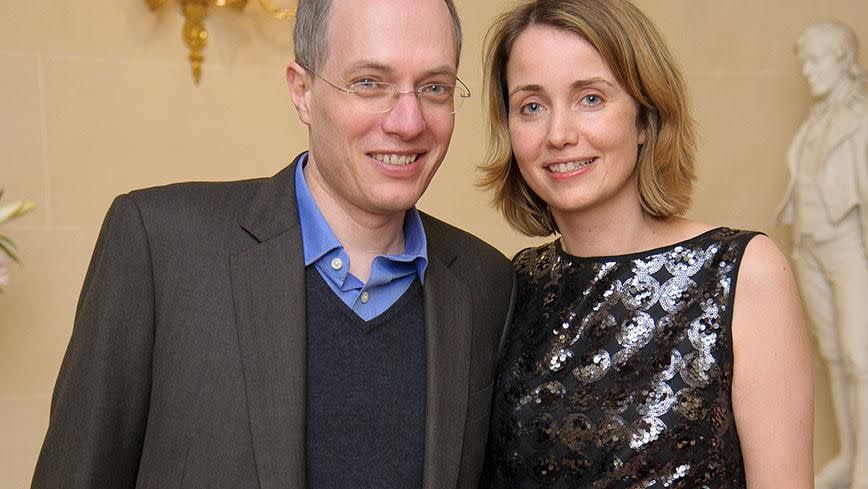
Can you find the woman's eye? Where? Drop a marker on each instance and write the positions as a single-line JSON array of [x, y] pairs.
[[531, 108], [592, 99]]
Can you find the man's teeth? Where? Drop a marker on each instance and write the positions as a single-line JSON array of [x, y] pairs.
[[568, 167], [393, 159]]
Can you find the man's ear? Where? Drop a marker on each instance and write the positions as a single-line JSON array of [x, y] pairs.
[[299, 83]]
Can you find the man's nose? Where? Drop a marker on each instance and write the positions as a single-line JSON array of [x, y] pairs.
[[406, 118]]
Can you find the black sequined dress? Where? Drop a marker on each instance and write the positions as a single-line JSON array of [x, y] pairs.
[[617, 371]]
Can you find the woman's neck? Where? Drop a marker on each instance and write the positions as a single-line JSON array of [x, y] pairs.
[[603, 235]]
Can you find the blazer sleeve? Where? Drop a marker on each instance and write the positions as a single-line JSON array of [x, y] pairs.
[[99, 407]]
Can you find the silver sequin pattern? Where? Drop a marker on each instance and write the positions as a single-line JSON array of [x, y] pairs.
[[617, 370]]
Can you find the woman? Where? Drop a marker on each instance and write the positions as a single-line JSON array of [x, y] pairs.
[[646, 350]]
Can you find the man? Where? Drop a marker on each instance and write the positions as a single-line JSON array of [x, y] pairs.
[[827, 203], [308, 330]]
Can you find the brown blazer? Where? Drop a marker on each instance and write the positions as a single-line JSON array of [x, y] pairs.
[[187, 367]]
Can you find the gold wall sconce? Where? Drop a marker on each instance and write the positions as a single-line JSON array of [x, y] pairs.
[[195, 34]]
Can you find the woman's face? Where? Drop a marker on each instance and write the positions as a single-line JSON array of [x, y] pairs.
[[573, 128]]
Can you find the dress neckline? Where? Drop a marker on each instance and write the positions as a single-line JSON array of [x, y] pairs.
[[630, 256]]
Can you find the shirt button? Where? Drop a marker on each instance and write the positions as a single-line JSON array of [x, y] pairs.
[[337, 263], [365, 297]]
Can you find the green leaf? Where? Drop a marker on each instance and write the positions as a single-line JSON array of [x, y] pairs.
[[8, 248]]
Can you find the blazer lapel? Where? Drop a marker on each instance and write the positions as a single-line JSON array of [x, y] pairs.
[[447, 322], [268, 290]]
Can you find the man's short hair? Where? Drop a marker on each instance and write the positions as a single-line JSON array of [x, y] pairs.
[[310, 36], [635, 52]]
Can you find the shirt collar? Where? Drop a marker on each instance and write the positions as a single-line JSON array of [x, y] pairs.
[[318, 239]]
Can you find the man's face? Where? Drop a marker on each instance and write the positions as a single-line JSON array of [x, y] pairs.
[[379, 164], [821, 66]]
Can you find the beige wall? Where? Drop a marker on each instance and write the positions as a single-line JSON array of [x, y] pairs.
[[96, 99]]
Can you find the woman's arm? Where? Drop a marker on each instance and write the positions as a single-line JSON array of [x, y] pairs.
[[772, 390]]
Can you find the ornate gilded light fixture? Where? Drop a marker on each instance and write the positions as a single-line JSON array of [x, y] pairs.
[[195, 34]]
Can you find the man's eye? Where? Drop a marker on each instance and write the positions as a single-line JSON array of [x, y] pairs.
[[366, 85], [436, 90]]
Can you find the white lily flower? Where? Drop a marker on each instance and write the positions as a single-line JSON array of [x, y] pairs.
[[7, 247], [15, 209]]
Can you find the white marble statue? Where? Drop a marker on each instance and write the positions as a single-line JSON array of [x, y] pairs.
[[827, 204]]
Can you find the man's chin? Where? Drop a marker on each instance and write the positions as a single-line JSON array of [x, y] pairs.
[[394, 202]]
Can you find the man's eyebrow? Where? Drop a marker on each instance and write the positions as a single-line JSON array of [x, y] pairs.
[[371, 65], [442, 70], [368, 65]]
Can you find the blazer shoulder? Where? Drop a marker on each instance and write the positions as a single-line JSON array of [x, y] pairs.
[[193, 213], [444, 237], [209, 196]]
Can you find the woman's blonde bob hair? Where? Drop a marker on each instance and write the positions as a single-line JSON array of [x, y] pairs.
[[634, 51]]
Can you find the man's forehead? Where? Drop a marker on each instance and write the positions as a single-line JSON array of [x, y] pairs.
[[385, 34], [352, 12]]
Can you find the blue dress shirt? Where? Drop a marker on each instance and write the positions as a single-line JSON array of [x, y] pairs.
[[391, 275]]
